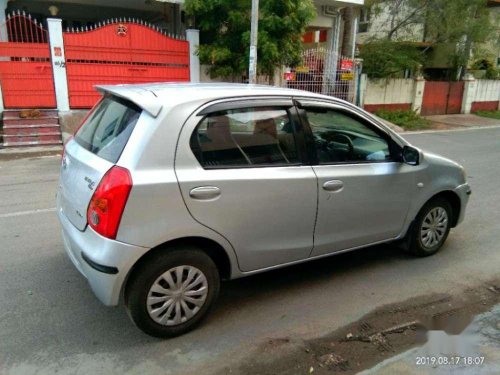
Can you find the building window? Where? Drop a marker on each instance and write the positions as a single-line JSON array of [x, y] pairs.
[[364, 20]]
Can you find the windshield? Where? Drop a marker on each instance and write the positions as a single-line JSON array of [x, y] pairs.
[[107, 130]]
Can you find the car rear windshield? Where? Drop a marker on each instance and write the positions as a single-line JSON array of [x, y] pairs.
[[107, 130]]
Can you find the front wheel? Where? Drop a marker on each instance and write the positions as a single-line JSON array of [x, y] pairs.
[[431, 227], [169, 294]]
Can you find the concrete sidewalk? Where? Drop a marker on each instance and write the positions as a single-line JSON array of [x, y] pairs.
[[444, 122], [29, 152]]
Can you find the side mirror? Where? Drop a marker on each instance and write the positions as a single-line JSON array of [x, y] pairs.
[[411, 155]]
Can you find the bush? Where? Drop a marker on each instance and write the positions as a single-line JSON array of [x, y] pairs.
[[490, 114], [490, 71], [386, 59], [407, 119]]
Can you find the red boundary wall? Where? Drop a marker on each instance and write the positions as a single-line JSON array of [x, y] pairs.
[[389, 107], [485, 106]]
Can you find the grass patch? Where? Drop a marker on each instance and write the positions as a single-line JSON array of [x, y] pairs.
[[489, 114], [407, 119]]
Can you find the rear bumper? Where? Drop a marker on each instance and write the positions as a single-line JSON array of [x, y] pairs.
[[105, 263], [463, 191]]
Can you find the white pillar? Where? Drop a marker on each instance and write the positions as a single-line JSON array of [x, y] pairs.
[[470, 88], [2, 108], [3, 19], [330, 66], [363, 83], [193, 37], [418, 95], [58, 63]]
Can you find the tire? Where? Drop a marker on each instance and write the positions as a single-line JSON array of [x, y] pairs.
[[436, 215], [148, 308]]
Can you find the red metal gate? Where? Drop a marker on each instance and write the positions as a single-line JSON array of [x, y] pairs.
[[25, 67], [121, 51], [441, 98]]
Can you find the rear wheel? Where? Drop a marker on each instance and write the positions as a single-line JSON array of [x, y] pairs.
[[431, 227], [170, 294]]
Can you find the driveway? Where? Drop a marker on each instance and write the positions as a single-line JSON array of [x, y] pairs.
[[51, 322]]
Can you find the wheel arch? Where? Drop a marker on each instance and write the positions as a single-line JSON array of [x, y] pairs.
[[454, 201], [213, 249]]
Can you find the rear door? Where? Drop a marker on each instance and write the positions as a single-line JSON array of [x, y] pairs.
[[240, 171], [96, 147]]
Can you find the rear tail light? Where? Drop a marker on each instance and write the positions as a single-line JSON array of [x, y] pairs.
[[108, 202]]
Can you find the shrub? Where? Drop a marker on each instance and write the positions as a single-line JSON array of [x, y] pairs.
[[407, 119], [490, 114]]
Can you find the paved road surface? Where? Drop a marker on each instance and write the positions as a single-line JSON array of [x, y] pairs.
[[50, 321]]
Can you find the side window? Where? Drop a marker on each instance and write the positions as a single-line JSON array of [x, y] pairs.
[[245, 137], [340, 138]]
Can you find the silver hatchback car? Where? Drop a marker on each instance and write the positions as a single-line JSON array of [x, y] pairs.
[[166, 189]]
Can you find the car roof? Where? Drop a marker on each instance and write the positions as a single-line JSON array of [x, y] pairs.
[[153, 96]]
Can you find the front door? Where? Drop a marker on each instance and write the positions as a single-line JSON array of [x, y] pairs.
[[364, 193], [241, 174]]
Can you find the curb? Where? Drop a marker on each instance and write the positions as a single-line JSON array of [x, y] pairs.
[[462, 129]]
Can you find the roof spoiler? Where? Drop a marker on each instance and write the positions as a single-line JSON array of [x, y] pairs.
[[143, 98]]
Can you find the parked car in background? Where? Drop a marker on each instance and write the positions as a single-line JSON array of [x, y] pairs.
[[168, 188]]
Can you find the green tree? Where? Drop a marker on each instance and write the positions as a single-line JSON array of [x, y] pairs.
[[225, 33], [462, 24], [383, 58], [400, 20]]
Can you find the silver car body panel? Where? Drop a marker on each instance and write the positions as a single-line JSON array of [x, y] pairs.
[[103, 251], [266, 213], [80, 174], [264, 217], [371, 206]]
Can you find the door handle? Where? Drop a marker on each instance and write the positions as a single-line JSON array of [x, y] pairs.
[[333, 186], [205, 193]]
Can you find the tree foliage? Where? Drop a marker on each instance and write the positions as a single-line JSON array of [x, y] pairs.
[[399, 18], [225, 33], [383, 58], [465, 24]]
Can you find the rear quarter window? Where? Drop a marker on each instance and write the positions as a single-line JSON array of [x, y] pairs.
[[108, 128]]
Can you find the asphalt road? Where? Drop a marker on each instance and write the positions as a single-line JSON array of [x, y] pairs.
[[51, 322]]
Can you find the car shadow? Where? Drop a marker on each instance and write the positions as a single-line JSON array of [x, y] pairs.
[[313, 273], [66, 319]]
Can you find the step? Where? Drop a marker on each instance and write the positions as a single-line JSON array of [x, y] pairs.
[[54, 137], [31, 121], [24, 126], [31, 144], [31, 130], [14, 113]]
